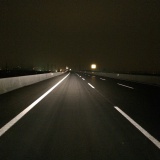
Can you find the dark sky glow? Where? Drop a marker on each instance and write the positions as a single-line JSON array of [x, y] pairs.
[[118, 35]]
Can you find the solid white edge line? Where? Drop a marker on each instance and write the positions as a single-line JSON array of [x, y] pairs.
[[25, 111], [125, 86], [143, 131], [91, 85]]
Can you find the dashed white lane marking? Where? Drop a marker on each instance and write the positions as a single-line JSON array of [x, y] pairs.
[[143, 131], [91, 85], [102, 79], [83, 79], [25, 111], [125, 86]]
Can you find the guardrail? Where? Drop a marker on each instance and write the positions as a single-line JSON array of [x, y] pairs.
[[146, 79], [9, 84]]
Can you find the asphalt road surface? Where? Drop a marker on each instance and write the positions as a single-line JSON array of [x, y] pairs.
[[77, 116]]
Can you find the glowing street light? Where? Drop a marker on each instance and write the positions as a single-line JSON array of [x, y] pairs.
[[93, 66]]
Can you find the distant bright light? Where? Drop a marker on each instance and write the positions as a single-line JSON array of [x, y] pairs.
[[67, 67], [70, 69], [93, 66]]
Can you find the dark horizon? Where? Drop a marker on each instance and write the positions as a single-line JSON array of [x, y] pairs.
[[116, 35]]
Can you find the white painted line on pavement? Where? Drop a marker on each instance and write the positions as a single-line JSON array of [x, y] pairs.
[[125, 86], [143, 131], [83, 78], [91, 85], [25, 111], [102, 79]]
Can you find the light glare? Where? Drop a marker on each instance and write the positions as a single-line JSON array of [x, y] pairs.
[[93, 66]]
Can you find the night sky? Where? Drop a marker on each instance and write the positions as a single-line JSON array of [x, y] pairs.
[[117, 35]]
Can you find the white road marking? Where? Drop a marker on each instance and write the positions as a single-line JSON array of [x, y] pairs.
[[143, 131], [125, 86], [89, 75], [83, 78], [79, 76], [102, 79], [25, 111], [91, 85]]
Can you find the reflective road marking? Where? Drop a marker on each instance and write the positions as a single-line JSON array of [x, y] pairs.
[[150, 137], [91, 85], [102, 79], [125, 86]]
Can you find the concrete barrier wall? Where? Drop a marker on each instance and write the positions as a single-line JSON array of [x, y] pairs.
[[151, 80], [9, 84]]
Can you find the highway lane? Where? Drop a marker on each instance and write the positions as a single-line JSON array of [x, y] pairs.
[[12, 103], [139, 101], [74, 121]]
